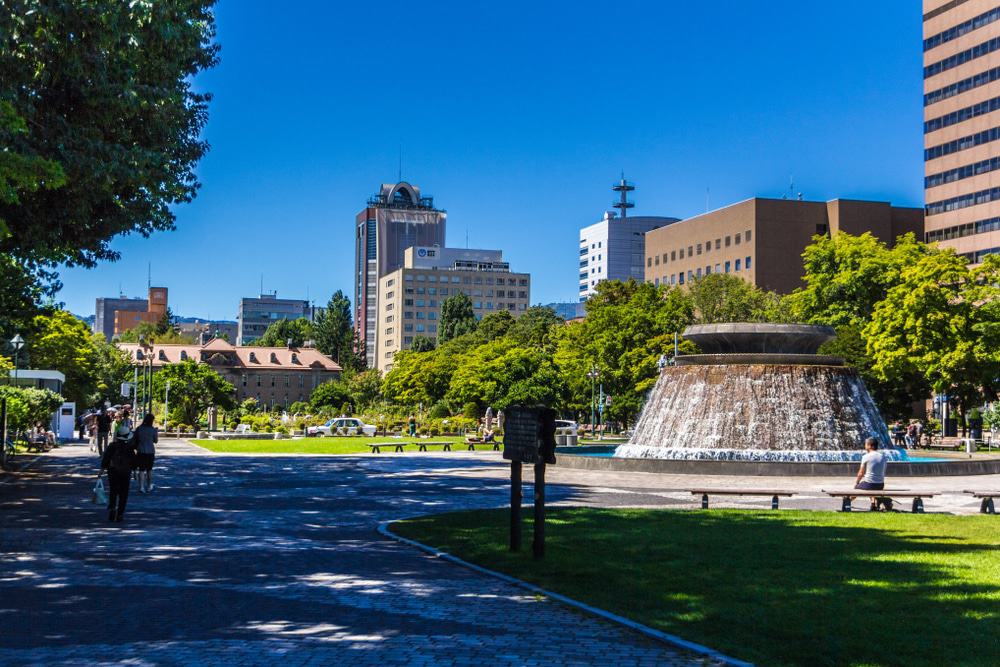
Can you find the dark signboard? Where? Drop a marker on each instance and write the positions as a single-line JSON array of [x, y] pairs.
[[529, 434]]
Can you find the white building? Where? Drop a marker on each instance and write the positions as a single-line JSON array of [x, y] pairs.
[[615, 249]]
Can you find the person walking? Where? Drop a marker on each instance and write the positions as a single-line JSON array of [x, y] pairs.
[[146, 437], [118, 460], [103, 429], [871, 474], [412, 424]]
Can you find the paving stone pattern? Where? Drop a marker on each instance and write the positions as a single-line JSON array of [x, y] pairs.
[[271, 560]]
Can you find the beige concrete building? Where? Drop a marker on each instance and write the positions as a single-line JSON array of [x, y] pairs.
[[761, 240], [410, 298], [962, 125], [272, 375]]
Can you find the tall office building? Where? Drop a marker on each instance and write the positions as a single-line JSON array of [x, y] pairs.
[[395, 219], [106, 307], [256, 315], [615, 247], [962, 125]]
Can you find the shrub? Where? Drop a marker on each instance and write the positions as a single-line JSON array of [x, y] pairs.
[[434, 431], [470, 410], [281, 429], [439, 410]]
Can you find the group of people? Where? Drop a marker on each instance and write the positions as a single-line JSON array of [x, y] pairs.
[[907, 435], [124, 453]]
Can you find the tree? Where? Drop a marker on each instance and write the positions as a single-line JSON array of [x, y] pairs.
[[366, 388], [153, 332], [104, 90], [23, 289], [63, 343], [193, 388], [423, 344], [495, 325], [330, 394], [280, 332], [535, 327], [334, 332], [721, 297], [165, 323], [457, 317], [503, 373], [27, 406], [112, 367]]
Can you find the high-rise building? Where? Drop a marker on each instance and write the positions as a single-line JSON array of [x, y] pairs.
[[410, 297], [395, 219], [615, 247], [106, 307], [962, 125], [762, 240], [257, 314]]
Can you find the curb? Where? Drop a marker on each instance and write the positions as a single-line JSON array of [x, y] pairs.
[[666, 638]]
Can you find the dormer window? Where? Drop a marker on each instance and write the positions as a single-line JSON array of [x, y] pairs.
[[295, 358], [274, 358], [139, 355], [253, 357], [184, 355], [163, 355]]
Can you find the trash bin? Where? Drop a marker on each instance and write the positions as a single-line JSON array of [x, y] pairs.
[[560, 440], [571, 440]]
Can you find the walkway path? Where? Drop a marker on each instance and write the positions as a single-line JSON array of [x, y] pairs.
[[271, 560]]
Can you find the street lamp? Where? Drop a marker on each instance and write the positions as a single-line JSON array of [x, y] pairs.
[[18, 343], [593, 374]]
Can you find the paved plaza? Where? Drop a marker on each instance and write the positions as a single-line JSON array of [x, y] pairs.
[[268, 559]]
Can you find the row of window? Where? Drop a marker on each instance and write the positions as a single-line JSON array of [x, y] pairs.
[[509, 294], [981, 79], [467, 280], [957, 174], [692, 250], [963, 143], [728, 267], [980, 109], [967, 229], [963, 28], [478, 305], [285, 380], [978, 256], [962, 57], [963, 201]]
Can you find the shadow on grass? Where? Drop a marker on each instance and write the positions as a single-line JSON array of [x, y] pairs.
[[782, 588]]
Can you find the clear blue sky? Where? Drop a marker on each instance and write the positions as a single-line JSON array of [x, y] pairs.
[[517, 117]]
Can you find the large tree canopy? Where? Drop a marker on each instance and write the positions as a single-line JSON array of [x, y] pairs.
[[334, 332], [101, 125], [457, 317]]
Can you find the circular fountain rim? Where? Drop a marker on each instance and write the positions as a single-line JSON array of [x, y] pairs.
[[758, 337]]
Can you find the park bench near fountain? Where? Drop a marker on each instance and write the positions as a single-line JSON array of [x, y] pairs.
[[917, 496], [705, 493], [987, 506], [444, 444], [376, 447]]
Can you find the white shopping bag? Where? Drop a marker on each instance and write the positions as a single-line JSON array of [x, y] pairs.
[[100, 495]]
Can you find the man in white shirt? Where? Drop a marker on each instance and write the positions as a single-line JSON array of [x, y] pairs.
[[871, 474]]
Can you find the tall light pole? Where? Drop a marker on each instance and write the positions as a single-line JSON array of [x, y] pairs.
[[18, 343], [593, 374]]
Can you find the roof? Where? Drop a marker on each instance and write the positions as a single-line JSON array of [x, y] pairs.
[[223, 353]]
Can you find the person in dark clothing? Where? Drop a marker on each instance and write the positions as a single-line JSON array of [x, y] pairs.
[[103, 429], [119, 460]]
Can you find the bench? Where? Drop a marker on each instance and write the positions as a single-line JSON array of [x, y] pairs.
[[37, 443], [705, 493], [987, 497], [943, 445], [377, 447], [917, 496], [422, 446], [472, 442]]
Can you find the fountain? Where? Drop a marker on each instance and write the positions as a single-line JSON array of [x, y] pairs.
[[757, 393]]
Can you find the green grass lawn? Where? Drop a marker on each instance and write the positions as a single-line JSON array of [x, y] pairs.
[[774, 588], [325, 445]]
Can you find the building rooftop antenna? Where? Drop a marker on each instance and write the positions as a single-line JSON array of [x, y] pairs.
[[623, 187]]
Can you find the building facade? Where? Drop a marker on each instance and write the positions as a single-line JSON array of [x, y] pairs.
[[105, 309], [396, 218], [205, 330], [257, 314], [275, 376], [156, 309], [410, 297], [762, 240], [962, 125], [614, 249]]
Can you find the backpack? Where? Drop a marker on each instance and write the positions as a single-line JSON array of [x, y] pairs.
[[121, 457]]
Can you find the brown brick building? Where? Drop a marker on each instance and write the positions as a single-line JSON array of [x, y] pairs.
[[761, 240], [272, 375]]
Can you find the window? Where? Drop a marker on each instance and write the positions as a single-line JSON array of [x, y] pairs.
[[716, 267], [444, 291], [258, 380], [649, 261], [420, 303], [390, 294], [455, 279], [407, 340], [407, 302], [421, 278], [737, 239], [699, 249], [244, 380], [420, 290], [681, 276], [432, 315], [420, 328], [433, 303], [432, 290], [708, 247], [728, 266], [431, 279], [388, 331], [747, 264], [682, 253], [407, 327], [421, 316], [432, 328], [698, 272], [489, 305], [728, 240], [673, 279], [718, 243], [746, 236], [708, 270], [664, 258], [522, 294], [738, 262], [408, 315], [390, 282], [673, 255], [389, 319], [477, 304], [390, 306], [408, 278], [690, 251]]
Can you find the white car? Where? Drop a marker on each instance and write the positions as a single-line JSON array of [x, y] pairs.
[[342, 426], [565, 427]]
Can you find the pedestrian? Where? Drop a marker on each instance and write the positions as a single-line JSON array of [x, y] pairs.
[[103, 429], [118, 460], [871, 474], [911, 435], [146, 437], [897, 434], [920, 431], [412, 425]]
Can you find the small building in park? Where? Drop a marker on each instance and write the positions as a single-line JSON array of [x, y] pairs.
[[275, 376]]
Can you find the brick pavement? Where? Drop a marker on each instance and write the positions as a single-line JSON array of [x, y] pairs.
[[265, 560]]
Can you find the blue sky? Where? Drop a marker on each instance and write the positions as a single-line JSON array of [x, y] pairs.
[[517, 117]]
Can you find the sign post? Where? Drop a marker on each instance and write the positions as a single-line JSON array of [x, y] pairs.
[[529, 437]]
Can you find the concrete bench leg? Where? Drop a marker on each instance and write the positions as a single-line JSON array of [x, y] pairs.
[[422, 448], [472, 447], [399, 448], [918, 506], [987, 506], [846, 505], [704, 501], [774, 502], [446, 448]]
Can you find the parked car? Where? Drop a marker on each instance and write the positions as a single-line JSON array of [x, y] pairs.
[[565, 427], [342, 426]]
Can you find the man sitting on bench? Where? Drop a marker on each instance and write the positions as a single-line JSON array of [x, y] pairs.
[[871, 474]]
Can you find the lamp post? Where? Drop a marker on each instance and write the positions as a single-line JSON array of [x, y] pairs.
[[593, 374], [17, 342]]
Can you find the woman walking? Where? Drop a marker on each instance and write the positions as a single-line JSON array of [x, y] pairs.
[[118, 460], [146, 437]]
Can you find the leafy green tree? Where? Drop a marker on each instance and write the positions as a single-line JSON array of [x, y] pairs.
[[503, 373], [24, 289], [20, 172], [423, 344], [536, 326], [26, 406], [193, 388], [331, 394], [112, 367], [366, 388], [457, 317], [493, 326], [165, 323], [62, 342], [278, 334], [153, 332], [334, 332], [722, 297]]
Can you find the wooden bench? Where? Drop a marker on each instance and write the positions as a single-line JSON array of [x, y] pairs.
[[917, 496], [471, 443], [377, 446], [422, 446], [987, 507], [705, 493], [37, 443], [944, 445]]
